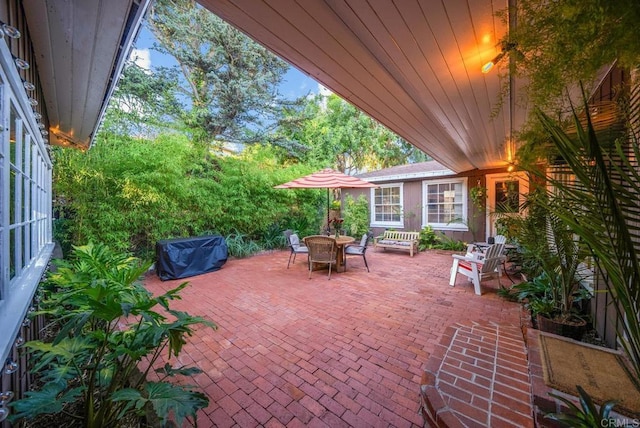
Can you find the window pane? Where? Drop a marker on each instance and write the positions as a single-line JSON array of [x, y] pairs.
[[507, 196], [12, 135], [12, 253], [387, 207], [444, 203], [12, 196]]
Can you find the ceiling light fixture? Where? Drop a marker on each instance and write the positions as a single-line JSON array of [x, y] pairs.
[[506, 48]]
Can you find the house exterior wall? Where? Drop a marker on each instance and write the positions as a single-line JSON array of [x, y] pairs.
[[414, 205], [25, 200], [606, 320]]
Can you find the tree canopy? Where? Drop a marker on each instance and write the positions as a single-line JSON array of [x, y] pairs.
[[224, 88], [337, 134]]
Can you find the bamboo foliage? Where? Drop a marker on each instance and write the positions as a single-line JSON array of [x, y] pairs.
[[602, 206]]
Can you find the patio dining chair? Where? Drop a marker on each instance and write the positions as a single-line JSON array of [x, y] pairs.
[[478, 265], [293, 241], [357, 250], [322, 250]]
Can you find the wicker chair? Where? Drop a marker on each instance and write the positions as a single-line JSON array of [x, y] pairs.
[[322, 250], [294, 245]]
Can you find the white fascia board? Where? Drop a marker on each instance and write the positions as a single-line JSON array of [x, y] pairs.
[[413, 175]]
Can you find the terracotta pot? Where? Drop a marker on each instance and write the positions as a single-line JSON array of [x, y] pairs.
[[574, 329]]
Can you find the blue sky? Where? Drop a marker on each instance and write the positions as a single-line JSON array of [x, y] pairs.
[[294, 85]]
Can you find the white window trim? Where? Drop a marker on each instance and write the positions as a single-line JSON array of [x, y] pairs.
[[465, 208], [33, 209], [372, 199]]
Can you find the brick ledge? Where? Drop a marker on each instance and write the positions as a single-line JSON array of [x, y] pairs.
[[478, 375]]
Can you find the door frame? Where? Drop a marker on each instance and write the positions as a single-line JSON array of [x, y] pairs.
[[490, 180]]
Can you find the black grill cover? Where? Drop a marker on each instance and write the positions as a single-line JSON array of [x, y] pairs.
[[184, 257]]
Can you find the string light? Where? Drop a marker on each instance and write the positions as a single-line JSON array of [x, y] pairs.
[[10, 366], [28, 86], [5, 397], [20, 63], [9, 30], [4, 413]]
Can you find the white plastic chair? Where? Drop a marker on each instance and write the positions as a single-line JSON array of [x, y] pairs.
[[478, 265]]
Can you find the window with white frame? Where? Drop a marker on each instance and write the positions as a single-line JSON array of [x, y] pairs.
[[25, 202], [387, 206], [445, 203]]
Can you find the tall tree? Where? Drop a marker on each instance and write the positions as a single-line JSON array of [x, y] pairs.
[[144, 103], [339, 135], [229, 84]]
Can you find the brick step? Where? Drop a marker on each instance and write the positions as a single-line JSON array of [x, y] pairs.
[[478, 376]]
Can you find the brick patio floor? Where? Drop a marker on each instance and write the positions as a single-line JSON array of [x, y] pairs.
[[349, 351]]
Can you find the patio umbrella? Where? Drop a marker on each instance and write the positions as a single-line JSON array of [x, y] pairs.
[[326, 178]]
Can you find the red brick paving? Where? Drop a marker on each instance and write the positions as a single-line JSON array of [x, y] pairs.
[[479, 375], [349, 351]]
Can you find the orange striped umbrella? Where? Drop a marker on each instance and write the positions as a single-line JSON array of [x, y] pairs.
[[326, 178]]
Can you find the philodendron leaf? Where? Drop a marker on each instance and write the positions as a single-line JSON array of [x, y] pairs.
[[50, 399], [132, 398], [168, 399]]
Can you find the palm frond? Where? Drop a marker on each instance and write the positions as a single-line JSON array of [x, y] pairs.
[[602, 206]]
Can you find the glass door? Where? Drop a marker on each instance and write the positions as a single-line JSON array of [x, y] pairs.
[[505, 194]]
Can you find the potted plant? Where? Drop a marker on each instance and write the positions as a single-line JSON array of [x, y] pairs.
[[555, 257]]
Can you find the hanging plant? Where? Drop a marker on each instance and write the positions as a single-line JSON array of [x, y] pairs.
[[478, 195]]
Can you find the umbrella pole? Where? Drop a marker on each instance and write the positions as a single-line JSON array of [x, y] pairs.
[[328, 228]]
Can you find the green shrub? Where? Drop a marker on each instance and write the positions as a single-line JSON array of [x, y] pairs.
[[446, 243], [110, 337], [428, 238], [240, 245], [129, 193], [356, 215]]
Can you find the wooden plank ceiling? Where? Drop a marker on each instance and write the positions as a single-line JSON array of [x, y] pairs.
[[80, 47], [414, 65]]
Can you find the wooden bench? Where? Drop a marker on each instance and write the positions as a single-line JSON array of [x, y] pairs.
[[398, 240]]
